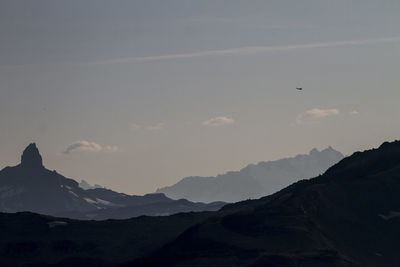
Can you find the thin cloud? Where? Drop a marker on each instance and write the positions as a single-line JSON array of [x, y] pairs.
[[219, 121], [85, 146], [135, 127], [248, 50], [354, 112], [316, 114], [157, 127]]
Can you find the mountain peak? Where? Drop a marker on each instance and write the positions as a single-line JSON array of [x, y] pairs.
[[314, 151], [329, 149], [31, 157]]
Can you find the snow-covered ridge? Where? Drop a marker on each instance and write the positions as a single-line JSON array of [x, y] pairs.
[[103, 202]]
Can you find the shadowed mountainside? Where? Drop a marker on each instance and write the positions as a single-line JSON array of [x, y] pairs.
[[255, 180], [350, 216], [29, 239]]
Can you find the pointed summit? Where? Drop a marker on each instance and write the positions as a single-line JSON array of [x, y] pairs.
[[31, 158], [314, 151]]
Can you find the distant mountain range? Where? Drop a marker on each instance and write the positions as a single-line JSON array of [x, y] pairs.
[[255, 180], [31, 187], [85, 185], [349, 216]]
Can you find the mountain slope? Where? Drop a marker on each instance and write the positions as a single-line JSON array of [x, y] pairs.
[[350, 216], [29, 186], [254, 181]]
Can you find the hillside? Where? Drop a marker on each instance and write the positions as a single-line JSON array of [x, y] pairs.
[[29, 239], [347, 217]]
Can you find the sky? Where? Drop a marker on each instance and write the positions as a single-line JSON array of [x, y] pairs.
[[135, 95]]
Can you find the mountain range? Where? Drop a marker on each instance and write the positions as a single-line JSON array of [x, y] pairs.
[[255, 180], [29, 186], [348, 216]]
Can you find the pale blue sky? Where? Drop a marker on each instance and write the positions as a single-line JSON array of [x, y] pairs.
[[138, 80]]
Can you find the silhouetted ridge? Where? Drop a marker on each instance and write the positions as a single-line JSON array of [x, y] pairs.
[[348, 216], [369, 162], [31, 158]]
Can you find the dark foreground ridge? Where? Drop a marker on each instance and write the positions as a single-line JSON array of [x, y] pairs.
[[29, 186], [29, 239], [349, 216]]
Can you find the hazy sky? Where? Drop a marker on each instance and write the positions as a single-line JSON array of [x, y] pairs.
[[135, 95]]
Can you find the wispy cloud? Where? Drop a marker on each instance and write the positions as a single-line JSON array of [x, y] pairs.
[[249, 50], [316, 114], [135, 127], [354, 112], [219, 121], [157, 127], [140, 127], [85, 146]]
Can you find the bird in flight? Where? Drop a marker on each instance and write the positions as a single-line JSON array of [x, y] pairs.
[[299, 88]]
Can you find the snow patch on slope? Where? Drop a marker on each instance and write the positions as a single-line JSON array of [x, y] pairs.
[[89, 200], [73, 193], [391, 215]]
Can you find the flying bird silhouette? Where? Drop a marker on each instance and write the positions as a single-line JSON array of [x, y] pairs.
[[299, 88]]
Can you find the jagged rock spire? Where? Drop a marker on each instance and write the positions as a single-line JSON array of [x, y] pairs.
[[31, 158]]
